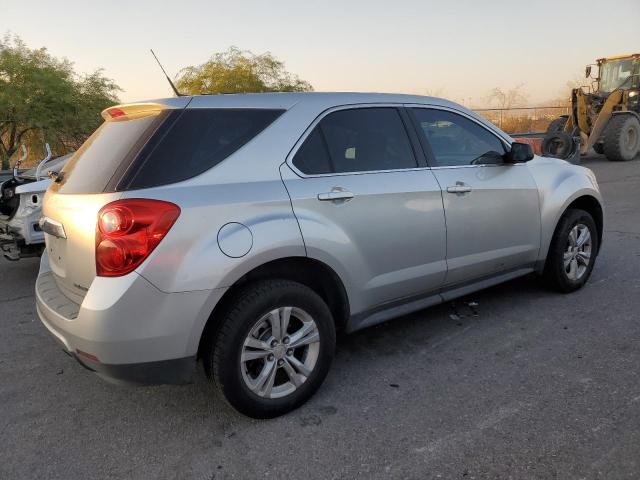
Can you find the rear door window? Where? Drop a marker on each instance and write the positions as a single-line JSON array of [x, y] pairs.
[[357, 140], [313, 157]]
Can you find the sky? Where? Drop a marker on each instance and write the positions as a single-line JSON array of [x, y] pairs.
[[454, 49]]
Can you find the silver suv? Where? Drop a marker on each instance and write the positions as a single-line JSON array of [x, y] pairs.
[[245, 230]]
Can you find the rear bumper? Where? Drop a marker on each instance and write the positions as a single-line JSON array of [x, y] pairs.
[[126, 329], [175, 371]]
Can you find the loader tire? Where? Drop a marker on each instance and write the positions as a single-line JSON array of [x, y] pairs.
[[622, 138], [557, 144], [557, 125]]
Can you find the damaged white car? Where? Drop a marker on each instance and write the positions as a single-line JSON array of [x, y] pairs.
[[21, 207]]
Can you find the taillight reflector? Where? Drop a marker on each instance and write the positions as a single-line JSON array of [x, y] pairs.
[[128, 231], [86, 355]]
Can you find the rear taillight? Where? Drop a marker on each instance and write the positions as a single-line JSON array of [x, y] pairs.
[[128, 231]]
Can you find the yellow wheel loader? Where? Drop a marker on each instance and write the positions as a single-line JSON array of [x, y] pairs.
[[608, 118]]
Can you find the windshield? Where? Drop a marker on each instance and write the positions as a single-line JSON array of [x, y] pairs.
[[615, 74]]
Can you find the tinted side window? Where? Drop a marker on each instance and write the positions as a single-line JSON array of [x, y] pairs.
[[197, 141], [357, 140], [313, 157], [456, 140]]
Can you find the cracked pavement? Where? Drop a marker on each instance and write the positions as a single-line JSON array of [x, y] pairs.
[[534, 385]]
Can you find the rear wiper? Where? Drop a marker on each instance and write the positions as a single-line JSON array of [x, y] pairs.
[[55, 176]]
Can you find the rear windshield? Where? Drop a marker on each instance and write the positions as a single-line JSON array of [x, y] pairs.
[[170, 147], [97, 160]]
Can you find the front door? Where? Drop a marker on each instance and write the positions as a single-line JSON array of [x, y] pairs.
[[491, 208]]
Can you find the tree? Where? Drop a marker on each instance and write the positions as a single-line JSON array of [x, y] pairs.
[[42, 100], [239, 71], [510, 99], [564, 97]]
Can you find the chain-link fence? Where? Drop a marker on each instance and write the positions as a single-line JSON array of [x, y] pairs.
[[523, 119]]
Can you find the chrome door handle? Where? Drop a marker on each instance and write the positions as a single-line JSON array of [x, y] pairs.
[[459, 188], [335, 195]]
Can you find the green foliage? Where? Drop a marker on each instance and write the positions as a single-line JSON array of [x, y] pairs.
[[43, 100], [238, 71]]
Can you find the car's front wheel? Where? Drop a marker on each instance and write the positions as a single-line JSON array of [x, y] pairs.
[[572, 252], [273, 349]]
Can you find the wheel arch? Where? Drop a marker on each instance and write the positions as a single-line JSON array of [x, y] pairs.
[[313, 273], [625, 112], [591, 205], [584, 201]]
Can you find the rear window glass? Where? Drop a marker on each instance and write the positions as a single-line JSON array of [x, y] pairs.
[[197, 141], [97, 160]]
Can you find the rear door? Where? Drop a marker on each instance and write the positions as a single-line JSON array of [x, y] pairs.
[[492, 208], [367, 207]]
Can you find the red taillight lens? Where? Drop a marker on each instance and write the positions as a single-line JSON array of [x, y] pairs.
[[128, 231], [115, 221]]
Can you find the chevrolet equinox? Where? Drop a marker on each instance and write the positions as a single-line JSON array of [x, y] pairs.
[[245, 230]]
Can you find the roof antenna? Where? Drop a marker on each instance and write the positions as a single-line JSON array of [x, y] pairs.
[[173, 87]]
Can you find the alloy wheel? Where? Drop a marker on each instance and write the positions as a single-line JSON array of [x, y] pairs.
[[577, 255], [280, 352]]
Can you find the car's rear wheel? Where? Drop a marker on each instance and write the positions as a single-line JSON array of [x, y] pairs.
[[573, 251], [273, 349]]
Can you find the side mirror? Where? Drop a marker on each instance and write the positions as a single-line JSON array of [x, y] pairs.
[[519, 153], [587, 71]]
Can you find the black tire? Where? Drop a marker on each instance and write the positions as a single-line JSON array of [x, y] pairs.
[[598, 148], [622, 138], [222, 357], [555, 273], [558, 145], [557, 125]]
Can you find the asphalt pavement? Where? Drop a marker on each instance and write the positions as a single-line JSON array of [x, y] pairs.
[[515, 382]]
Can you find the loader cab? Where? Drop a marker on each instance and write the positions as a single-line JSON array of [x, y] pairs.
[[617, 73]]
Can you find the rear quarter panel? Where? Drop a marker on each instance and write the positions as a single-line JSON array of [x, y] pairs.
[[245, 188], [189, 257]]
